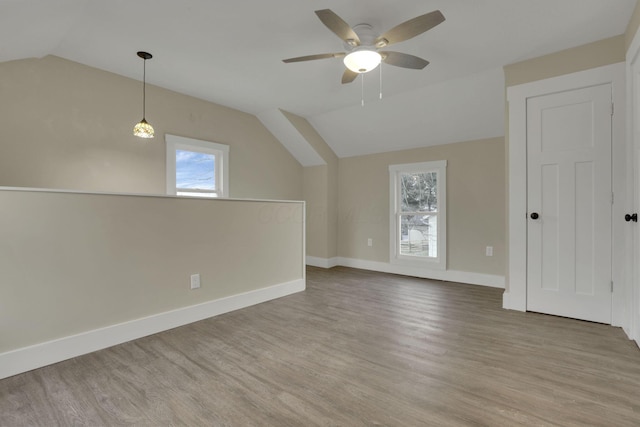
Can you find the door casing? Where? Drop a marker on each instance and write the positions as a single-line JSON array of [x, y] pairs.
[[633, 138]]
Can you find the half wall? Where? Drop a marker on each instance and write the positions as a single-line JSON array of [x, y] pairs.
[[80, 272]]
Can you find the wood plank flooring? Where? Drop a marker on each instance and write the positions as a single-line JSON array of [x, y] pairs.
[[357, 348]]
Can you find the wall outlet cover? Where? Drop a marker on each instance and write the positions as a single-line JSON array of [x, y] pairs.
[[195, 281]]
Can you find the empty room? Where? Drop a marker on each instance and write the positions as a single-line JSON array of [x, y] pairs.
[[336, 213]]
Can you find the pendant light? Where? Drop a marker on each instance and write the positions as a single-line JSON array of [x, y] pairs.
[[144, 129]]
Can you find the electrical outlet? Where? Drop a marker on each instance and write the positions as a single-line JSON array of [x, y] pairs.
[[195, 281], [489, 251], [369, 241]]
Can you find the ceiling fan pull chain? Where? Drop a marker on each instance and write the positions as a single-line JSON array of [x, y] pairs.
[[380, 81], [362, 89]]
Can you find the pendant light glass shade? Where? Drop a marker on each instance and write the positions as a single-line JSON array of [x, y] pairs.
[[362, 61], [144, 129]]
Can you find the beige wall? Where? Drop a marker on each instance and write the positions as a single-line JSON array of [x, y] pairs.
[[632, 28], [315, 191], [320, 193], [68, 126], [71, 263], [475, 203], [585, 57]]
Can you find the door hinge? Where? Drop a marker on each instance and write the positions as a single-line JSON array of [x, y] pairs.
[[612, 108], [612, 197], [612, 286]]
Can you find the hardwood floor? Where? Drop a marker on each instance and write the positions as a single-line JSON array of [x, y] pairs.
[[357, 348]]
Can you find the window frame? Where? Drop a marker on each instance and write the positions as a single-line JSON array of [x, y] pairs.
[[395, 213], [221, 168]]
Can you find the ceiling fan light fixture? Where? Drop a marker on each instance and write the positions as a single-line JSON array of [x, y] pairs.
[[362, 61]]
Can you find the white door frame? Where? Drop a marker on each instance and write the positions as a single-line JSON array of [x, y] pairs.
[[633, 121], [515, 297]]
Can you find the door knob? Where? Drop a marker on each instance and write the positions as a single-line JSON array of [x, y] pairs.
[[632, 217], [535, 215]]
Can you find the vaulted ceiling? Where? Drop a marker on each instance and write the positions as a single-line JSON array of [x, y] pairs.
[[230, 53]]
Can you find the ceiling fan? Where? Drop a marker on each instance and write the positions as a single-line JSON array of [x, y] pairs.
[[363, 46]]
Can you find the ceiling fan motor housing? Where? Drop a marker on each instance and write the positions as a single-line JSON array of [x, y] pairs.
[[367, 38]]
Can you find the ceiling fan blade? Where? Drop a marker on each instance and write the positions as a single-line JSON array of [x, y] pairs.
[[338, 26], [403, 60], [410, 28], [349, 76], [314, 57]]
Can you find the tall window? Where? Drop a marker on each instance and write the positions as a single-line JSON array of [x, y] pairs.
[[196, 168], [418, 214]]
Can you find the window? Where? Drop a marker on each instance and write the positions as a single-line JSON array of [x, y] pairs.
[[418, 214], [196, 168]]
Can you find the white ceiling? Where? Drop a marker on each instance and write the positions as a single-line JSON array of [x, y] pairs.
[[230, 52]]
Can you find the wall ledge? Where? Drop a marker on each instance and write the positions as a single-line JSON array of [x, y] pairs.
[[148, 195], [36, 356]]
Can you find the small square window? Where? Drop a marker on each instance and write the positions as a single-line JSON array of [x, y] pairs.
[[196, 168], [195, 171]]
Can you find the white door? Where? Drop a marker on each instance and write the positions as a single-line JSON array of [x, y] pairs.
[[569, 203]]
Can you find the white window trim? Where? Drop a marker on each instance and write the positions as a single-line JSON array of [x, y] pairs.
[[174, 143], [439, 263]]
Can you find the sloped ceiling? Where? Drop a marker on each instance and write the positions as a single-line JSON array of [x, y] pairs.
[[230, 52]]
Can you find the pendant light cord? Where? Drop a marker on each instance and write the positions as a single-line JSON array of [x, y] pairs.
[[144, 87]]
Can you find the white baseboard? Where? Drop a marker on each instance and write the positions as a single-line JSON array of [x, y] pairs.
[[322, 262], [39, 355], [506, 303], [511, 303], [385, 267]]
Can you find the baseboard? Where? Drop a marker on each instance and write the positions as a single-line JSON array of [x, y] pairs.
[[447, 275], [506, 303], [322, 262], [39, 355]]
